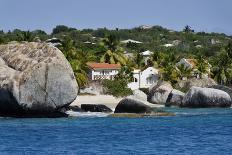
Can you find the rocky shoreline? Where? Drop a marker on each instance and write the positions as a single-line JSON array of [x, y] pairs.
[[36, 80]]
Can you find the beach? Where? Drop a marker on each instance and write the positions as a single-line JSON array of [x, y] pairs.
[[107, 100]]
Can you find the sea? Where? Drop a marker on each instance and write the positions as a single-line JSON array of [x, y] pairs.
[[190, 132]]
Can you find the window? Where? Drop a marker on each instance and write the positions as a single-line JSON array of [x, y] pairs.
[[135, 80]]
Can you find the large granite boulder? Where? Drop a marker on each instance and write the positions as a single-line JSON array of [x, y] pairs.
[[175, 98], [34, 78], [223, 88], [198, 97], [127, 105], [159, 93], [187, 84], [95, 108]]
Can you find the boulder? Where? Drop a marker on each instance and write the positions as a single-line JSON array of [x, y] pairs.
[[35, 78], [73, 108], [223, 88], [187, 84], [138, 94], [198, 97], [159, 93], [175, 98], [127, 105], [95, 108]]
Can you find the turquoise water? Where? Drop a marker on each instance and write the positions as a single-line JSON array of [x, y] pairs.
[[192, 131]]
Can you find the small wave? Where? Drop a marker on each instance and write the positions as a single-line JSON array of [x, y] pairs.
[[200, 113], [86, 114]]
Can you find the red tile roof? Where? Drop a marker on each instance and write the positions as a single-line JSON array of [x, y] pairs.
[[103, 65]]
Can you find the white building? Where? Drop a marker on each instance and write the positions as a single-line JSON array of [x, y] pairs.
[[144, 79], [131, 41], [147, 53], [100, 71], [192, 64]]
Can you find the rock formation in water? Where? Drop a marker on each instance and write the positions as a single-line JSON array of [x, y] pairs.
[[175, 98], [198, 97], [158, 94], [34, 78], [127, 105]]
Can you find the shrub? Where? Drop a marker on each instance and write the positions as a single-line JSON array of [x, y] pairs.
[[117, 88]]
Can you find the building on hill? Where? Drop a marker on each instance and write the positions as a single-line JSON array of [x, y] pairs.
[[146, 54], [144, 78], [54, 42], [131, 41], [101, 71], [192, 64]]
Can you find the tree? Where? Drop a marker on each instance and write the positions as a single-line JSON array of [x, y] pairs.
[[25, 36], [112, 54], [202, 66], [138, 61], [125, 73], [183, 72], [188, 29]]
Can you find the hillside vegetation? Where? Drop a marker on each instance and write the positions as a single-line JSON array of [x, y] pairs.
[[104, 45]]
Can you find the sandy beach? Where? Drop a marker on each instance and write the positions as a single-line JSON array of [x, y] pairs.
[[108, 100]]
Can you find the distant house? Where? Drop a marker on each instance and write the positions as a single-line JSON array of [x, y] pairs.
[[144, 78], [192, 64], [147, 53], [168, 45], [188, 63], [101, 71], [54, 41], [131, 41]]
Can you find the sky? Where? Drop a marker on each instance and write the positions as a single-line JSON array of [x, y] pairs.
[[201, 15]]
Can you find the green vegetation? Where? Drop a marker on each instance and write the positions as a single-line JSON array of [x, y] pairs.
[[104, 45], [117, 88]]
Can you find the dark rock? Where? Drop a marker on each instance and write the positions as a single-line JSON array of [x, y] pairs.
[[175, 98], [74, 108], [132, 106], [95, 108], [198, 97]]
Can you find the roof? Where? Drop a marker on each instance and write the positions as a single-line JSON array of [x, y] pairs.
[[95, 65], [147, 53], [192, 61], [132, 41]]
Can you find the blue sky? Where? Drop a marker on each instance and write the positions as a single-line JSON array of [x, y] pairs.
[[201, 15]]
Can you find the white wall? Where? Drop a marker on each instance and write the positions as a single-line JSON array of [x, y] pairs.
[[145, 78], [103, 72]]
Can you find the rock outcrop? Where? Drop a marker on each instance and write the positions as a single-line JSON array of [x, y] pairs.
[[159, 93], [198, 97], [95, 108], [34, 78], [127, 105], [175, 98], [187, 84], [223, 88]]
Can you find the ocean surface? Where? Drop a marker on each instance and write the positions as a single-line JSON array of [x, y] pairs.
[[192, 131]]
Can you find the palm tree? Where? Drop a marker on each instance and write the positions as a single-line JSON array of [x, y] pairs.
[[125, 73], [183, 72], [202, 66], [138, 61], [78, 60], [112, 54], [25, 36]]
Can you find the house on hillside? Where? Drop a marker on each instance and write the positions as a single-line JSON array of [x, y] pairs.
[[146, 54], [101, 71], [54, 42], [144, 78], [131, 41], [192, 64]]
